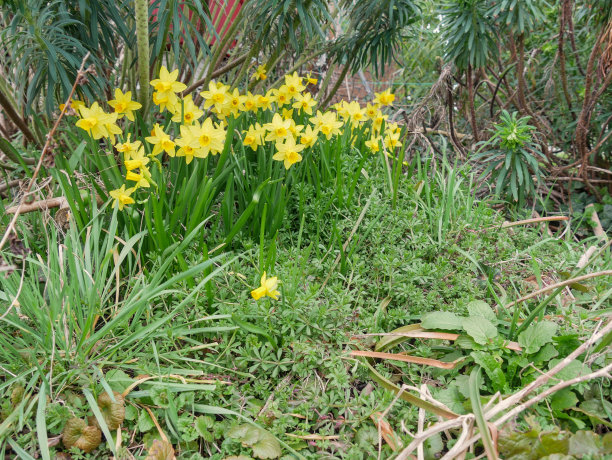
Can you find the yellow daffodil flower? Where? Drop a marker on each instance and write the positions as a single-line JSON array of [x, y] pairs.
[[288, 152], [210, 138], [305, 103], [250, 102], [309, 136], [216, 97], [98, 123], [392, 140], [327, 123], [128, 148], [124, 105], [236, 102], [187, 112], [278, 129], [166, 83], [161, 141], [253, 137], [281, 96], [268, 287], [371, 112], [122, 196], [293, 84], [264, 101], [373, 144], [310, 79], [138, 160], [75, 104], [384, 98], [260, 73], [141, 177]]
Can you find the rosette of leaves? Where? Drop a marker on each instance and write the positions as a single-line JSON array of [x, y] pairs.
[[80, 435], [112, 411]]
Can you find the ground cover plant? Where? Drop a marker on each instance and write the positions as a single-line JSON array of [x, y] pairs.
[[208, 253]]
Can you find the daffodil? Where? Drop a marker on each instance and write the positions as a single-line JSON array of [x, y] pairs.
[[305, 103], [138, 160], [216, 96], [250, 102], [141, 177], [264, 101], [75, 104], [253, 137], [392, 140], [210, 138], [161, 141], [268, 287], [278, 129], [122, 196], [288, 152], [373, 144], [236, 102], [128, 148], [98, 123], [293, 84], [384, 98], [310, 79], [188, 143], [166, 83], [281, 96], [327, 123], [309, 136], [355, 113], [260, 73], [371, 111], [187, 112], [124, 105]]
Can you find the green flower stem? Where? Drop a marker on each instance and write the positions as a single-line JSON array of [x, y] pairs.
[[142, 41]]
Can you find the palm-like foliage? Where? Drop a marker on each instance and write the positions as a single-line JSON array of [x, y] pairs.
[[45, 42], [376, 30], [469, 32]]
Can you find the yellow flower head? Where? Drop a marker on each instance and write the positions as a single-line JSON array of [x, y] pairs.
[[187, 112], [128, 148], [236, 102], [122, 196], [188, 143], [141, 178], [250, 102], [310, 79], [260, 73], [75, 104], [278, 129], [384, 98], [304, 102], [98, 123], [288, 152], [371, 112], [392, 140], [253, 137], [166, 83], [216, 96], [137, 161], [281, 96], [161, 141], [264, 101], [309, 136], [210, 138], [268, 287], [327, 123], [293, 84], [124, 105], [373, 144]]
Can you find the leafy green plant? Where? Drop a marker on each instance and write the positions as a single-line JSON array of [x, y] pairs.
[[512, 158]]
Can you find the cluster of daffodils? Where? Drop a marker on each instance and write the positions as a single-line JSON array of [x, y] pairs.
[[284, 121]]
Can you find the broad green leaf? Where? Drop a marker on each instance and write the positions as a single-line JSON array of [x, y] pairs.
[[584, 443], [480, 308], [266, 447], [536, 336], [480, 329], [563, 399], [441, 320]]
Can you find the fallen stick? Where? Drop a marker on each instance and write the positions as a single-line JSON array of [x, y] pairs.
[[58, 202], [535, 220]]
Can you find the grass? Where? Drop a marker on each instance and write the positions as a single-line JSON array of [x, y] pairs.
[[197, 357]]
